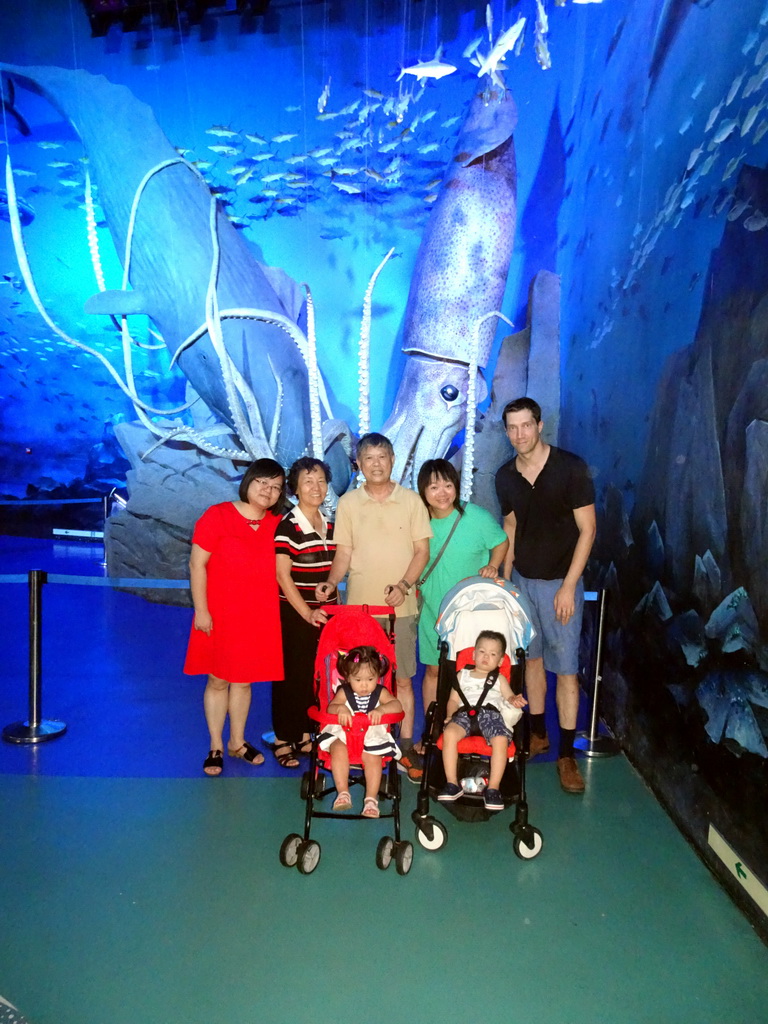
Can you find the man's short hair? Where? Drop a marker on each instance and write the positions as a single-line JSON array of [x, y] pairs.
[[521, 405], [374, 440]]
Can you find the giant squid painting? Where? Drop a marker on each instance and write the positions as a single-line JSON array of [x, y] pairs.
[[243, 333]]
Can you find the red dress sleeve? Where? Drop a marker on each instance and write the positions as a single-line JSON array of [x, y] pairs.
[[208, 529]]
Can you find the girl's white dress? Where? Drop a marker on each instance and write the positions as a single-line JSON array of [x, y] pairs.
[[377, 740]]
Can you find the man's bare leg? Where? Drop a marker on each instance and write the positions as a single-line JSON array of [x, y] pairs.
[[536, 685], [567, 700], [405, 696]]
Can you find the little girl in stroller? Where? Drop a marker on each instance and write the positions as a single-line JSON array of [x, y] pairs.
[[355, 682], [361, 691]]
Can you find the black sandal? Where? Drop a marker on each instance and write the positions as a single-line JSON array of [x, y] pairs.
[[247, 753], [215, 761], [288, 759]]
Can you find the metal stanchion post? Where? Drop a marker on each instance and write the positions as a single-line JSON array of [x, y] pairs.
[[105, 517], [594, 743], [36, 729]]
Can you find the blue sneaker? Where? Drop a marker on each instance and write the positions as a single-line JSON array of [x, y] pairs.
[[492, 800], [450, 793]]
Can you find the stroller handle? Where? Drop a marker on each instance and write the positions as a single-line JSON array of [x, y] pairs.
[[380, 610], [359, 721]]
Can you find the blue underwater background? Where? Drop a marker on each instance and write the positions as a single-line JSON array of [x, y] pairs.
[[640, 189]]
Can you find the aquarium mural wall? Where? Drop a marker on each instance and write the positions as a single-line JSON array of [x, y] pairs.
[[237, 229]]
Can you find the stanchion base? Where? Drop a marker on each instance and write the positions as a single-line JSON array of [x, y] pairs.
[[600, 746], [23, 732]]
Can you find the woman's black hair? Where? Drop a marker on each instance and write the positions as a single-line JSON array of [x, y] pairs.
[[443, 470], [306, 464], [263, 469], [364, 655]]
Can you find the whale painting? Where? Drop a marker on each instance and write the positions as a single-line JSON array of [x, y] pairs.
[[181, 241]]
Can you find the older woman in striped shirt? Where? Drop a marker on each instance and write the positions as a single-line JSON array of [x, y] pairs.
[[304, 550]]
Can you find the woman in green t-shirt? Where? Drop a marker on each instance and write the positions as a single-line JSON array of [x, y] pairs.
[[477, 546]]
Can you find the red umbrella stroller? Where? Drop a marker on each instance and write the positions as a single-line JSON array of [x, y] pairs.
[[349, 626], [472, 605]]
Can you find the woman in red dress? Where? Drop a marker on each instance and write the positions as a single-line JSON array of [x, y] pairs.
[[235, 635]]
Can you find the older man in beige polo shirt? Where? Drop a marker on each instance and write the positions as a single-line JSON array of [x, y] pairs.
[[382, 536]]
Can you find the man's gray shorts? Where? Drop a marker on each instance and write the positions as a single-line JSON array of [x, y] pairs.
[[405, 643]]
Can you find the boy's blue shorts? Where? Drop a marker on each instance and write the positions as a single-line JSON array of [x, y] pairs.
[[489, 719]]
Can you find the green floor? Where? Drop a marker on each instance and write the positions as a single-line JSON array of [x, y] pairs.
[[162, 901]]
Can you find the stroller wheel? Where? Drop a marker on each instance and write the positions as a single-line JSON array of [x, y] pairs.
[[384, 852], [528, 845], [308, 856], [288, 850], [403, 857], [431, 834]]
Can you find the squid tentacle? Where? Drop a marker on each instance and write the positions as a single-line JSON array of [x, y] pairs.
[[468, 458], [313, 376], [93, 238], [233, 381], [213, 321], [364, 353]]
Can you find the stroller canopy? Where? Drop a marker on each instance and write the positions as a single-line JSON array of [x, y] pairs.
[[477, 603], [352, 626]]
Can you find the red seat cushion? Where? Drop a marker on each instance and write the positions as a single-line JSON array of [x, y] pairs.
[[477, 745]]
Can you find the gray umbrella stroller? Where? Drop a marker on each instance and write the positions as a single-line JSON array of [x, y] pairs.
[[472, 605]]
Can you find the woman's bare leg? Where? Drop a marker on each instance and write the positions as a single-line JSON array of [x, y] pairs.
[[215, 705], [428, 694], [239, 705], [429, 686]]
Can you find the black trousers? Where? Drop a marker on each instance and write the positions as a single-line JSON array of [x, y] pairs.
[[292, 696]]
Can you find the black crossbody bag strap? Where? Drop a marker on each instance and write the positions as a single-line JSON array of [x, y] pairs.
[[431, 569]]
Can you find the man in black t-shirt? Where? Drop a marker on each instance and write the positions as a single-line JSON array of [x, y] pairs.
[[548, 502]]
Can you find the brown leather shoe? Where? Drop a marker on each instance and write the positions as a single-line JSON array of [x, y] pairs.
[[570, 776], [538, 745]]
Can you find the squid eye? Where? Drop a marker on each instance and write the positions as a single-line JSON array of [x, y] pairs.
[[450, 393]]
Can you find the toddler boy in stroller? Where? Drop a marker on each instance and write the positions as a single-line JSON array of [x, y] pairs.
[[493, 713], [468, 610]]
